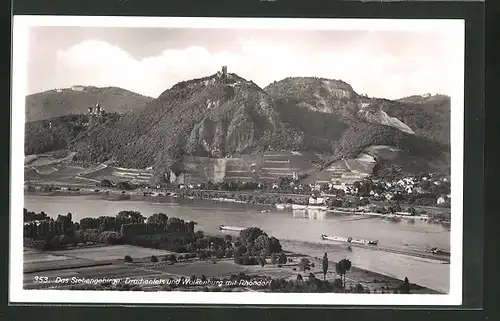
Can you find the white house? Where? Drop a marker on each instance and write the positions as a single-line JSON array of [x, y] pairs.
[[77, 88], [316, 201], [440, 200]]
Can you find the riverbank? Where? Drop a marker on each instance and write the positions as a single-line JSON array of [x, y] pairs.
[[278, 200], [106, 262]]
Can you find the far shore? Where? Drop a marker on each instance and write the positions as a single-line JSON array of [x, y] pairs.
[[126, 195]]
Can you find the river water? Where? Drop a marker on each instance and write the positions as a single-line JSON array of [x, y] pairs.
[[297, 230]]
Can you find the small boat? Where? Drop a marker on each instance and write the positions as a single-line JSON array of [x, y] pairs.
[[230, 228], [435, 250], [348, 240], [265, 211]]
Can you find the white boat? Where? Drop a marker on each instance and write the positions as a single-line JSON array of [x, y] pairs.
[[309, 207], [348, 240], [435, 250], [230, 228], [334, 238]]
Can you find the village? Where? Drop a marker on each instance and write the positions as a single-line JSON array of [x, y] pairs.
[[422, 190]]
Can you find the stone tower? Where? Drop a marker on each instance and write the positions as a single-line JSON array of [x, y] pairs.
[[224, 70]]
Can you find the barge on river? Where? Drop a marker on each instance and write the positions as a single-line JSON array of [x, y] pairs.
[[230, 228], [348, 240]]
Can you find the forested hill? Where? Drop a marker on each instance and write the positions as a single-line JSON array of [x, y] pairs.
[[217, 116], [77, 100], [424, 116]]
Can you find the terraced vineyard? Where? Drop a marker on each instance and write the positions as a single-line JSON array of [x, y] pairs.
[[270, 166]]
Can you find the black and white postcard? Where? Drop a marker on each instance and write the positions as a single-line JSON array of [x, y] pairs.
[[237, 161]]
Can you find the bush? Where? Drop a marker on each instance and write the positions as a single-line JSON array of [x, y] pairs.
[[359, 288], [128, 259], [282, 259], [229, 254], [304, 264], [338, 283]]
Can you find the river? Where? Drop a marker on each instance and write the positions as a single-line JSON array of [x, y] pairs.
[[297, 230]]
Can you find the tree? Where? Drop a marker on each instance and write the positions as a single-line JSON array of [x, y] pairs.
[[130, 216], [249, 235], [274, 245], [202, 255], [261, 245], [159, 218], [106, 183], [239, 251], [405, 288], [342, 267], [123, 186], [154, 259], [274, 258], [128, 259], [282, 259], [325, 266], [304, 264]]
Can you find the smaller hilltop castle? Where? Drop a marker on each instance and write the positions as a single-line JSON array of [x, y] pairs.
[[96, 111]]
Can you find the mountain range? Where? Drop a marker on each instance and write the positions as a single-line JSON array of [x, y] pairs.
[[224, 115]]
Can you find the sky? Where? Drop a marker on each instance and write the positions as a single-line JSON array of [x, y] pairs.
[[385, 64]]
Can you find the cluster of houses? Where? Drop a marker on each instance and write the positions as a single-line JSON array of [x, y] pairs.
[[389, 190]]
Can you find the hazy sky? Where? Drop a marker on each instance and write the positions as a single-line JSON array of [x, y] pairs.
[[387, 64]]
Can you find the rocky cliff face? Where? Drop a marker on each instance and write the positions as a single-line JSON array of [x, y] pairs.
[[424, 116], [317, 94]]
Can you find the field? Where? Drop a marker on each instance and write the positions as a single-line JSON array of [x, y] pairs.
[[35, 261], [57, 269], [116, 252]]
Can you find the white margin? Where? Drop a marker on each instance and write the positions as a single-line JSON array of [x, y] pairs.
[[21, 26]]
